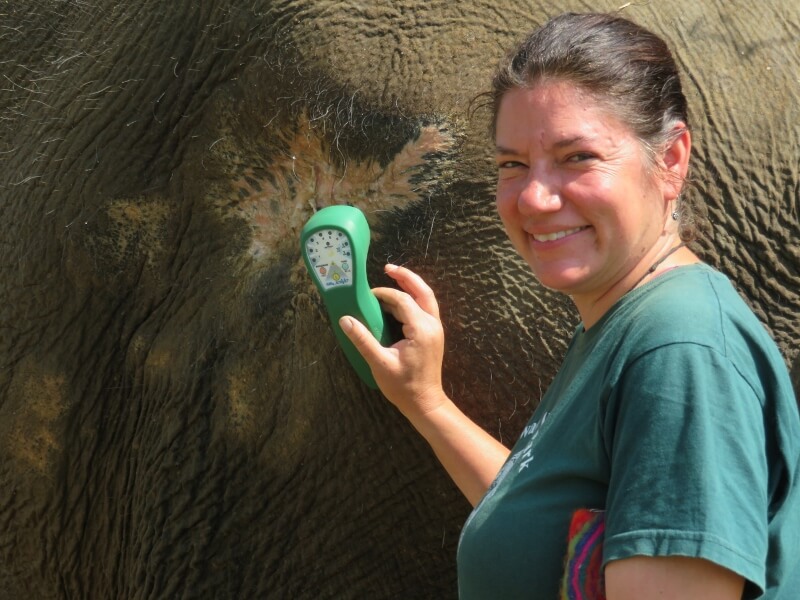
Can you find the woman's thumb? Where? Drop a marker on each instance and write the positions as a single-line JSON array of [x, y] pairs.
[[360, 336]]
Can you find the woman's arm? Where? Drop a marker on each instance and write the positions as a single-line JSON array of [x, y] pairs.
[[670, 578], [470, 456], [409, 373]]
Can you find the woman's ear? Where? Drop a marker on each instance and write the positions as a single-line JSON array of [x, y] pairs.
[[676, 160]]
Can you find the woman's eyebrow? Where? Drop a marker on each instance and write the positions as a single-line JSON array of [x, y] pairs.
[[577, 139], [504, 150], [566, 142]]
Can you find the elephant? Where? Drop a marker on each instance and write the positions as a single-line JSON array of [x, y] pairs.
[[176, 418]]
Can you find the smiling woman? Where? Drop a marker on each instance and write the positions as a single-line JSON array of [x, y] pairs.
[[668, 372]]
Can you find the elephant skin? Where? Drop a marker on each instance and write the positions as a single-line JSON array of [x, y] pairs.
[[176, 419]]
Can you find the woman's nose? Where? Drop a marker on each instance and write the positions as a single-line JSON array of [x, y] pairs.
[[538, 194]]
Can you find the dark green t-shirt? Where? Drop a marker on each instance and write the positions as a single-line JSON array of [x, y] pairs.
[[675, 415]]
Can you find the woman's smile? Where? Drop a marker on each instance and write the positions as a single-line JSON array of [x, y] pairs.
[[556, 235]]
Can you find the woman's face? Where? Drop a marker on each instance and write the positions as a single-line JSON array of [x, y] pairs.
[[573, 190]]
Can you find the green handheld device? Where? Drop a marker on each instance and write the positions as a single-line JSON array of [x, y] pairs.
[[334, 246]]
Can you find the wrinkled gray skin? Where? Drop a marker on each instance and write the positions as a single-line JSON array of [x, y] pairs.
[[176, 419]]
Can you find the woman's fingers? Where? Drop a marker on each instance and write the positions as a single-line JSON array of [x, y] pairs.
[[399, 304], [416, 287]]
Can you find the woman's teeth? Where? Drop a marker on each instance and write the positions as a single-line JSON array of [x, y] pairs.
[[550, 237]]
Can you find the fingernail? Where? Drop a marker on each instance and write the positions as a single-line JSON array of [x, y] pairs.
[[390, 267], [346, 323]]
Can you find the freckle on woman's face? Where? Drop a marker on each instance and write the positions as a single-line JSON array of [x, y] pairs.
[[573, 191]]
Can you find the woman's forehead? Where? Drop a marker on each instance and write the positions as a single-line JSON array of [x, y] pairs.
[[562, 113], [556, 91]]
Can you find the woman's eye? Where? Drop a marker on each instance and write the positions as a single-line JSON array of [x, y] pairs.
[[509, 164], [579, 157]]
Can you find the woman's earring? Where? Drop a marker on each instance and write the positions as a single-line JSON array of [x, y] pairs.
[[675, 215]]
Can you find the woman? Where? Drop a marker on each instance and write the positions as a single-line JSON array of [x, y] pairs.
[[672, 414]]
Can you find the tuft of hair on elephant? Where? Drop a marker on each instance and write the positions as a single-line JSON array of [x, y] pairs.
[[176, 417]]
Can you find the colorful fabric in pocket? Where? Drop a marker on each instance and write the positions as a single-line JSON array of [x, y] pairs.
[[583, 566]]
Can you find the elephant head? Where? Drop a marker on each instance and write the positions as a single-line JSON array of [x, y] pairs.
[[176, 417]]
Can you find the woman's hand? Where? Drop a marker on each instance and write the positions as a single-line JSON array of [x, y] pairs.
[[409, 373]]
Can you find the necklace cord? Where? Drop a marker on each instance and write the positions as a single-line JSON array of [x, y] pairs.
[[654, 266]]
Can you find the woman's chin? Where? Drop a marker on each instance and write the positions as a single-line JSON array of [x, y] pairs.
[[566, 280]]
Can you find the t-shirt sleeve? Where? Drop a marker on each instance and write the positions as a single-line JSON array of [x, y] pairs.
[[684, 434]]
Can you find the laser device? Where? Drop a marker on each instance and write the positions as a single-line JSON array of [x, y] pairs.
[[334, 244]]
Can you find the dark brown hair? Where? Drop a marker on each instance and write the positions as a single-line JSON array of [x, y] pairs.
[[626, 68]]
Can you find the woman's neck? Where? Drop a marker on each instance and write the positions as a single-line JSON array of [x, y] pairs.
[[592, 309]]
